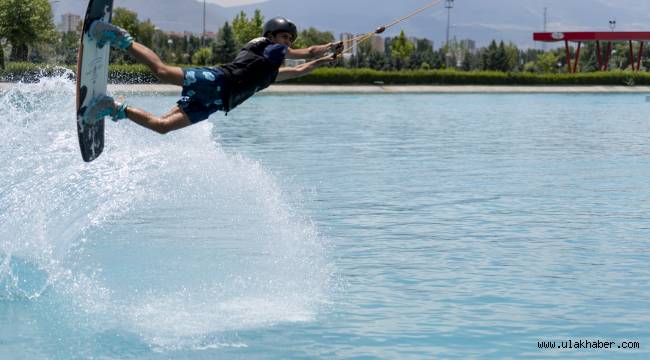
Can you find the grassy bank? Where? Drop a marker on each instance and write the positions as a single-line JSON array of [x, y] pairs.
[[139, 74], [453, 77]]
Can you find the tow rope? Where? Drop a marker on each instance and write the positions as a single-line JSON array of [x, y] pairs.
[[346, 44]]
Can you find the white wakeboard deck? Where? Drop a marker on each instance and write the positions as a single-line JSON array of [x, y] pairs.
[[92, 78]]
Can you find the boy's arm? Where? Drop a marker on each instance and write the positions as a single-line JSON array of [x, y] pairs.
[[314, 51], [287, 73]]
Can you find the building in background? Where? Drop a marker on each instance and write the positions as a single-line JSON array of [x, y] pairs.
[[469, 45], [69, 22], [351, 46], [413, 40], [377, 44], [423, 42]]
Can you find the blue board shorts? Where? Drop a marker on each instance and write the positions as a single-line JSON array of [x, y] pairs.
[[202, 92]]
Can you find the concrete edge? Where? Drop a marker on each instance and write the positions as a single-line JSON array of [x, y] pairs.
[[387, 89]]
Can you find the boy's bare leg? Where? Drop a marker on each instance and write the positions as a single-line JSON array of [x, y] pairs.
[[175, 119], [165, 73]]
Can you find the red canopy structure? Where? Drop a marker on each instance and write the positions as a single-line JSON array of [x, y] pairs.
[[609, 37]]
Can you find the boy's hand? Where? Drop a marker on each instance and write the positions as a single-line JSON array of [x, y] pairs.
[[337, 48]]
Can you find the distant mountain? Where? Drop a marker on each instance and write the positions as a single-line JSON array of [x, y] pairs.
[[169, 15], [481, 20]]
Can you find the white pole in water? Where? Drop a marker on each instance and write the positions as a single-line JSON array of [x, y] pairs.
[[545, 22], [203, 33], [449, 6]]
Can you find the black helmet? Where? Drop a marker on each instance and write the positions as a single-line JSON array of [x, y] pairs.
[[280, 24]]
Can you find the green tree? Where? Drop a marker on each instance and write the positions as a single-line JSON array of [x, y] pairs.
[[256, 25], [239, 25], [377, 61], [620, 58], [146, 32], [422, 55], [512, 57], [202, 57], [530, 55], [225, 48], [312, 36], [466, 64], [246, 30], [143, 32], [530, 67], [489, 57], [401, 49], [24, 24], [547, 63], [501, 58], [423, 46], [128, 20], [67, 47], [588, 57], [451, 56]]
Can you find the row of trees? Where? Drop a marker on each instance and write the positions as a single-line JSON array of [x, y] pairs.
[[400, 53], [24, 24], [27, 32]]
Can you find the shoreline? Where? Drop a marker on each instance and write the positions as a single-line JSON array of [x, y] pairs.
[[281, 89]]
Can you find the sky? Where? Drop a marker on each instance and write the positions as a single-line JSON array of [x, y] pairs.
[[233, 3], [481, 20]]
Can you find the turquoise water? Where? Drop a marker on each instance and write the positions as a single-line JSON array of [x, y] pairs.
[[328, 226]]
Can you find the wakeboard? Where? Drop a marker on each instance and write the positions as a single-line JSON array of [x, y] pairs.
[[92, 79]]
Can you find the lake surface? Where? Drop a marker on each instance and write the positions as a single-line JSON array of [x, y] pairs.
[[469, 226]]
